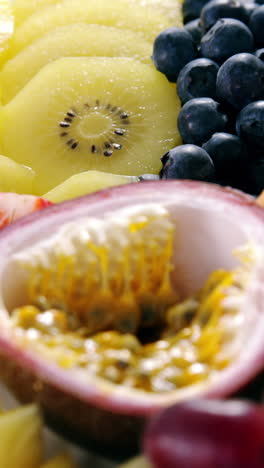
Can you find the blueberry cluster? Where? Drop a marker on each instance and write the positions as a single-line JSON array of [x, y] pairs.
[[217, 63]]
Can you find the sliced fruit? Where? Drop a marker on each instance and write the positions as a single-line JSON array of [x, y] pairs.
[[114, 115], [74, 40], [15, 177], [6, 23], [108, 254], [85, 183], [139, 462], [172, 9], [169, 8], [21, 443], [25, 8], [13, 206], [118, 13], [61, 461]]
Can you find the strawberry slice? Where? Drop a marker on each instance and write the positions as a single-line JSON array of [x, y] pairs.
[[14, 206]]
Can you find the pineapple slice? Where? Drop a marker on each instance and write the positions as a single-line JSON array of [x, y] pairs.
[[15, 177], [21, 444], [139, 462], [118, 13], [25, 8], [73, 40], [84, 183], [61, 461]]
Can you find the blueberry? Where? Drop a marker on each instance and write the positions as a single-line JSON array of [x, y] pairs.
[[146, 177], [192, 9], [256, 175], [240, 80], [194, 29], [217, 9], [250, 126], [187, 162], [249, 6], [226, 38], [173, 48], [260, 54], [199, 118], [229, 155], [256, 24], [197, 79]]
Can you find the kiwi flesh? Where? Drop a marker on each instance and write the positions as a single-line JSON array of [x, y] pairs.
[[73, 40], [85, 183], [113, 115], [118, 13], [170, 8]]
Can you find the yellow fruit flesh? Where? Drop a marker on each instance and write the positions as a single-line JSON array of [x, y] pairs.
[[32, 124], [21, 444], [84, 183], [62, 461], [15, 177], [170, 8], [118, 13], [6, 23], [25, 8], [74, 40], [139, 462]]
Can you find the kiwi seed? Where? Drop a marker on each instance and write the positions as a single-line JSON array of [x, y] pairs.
[[109, 145]]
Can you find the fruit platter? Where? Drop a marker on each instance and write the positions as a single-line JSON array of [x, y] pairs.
[[131, 234]]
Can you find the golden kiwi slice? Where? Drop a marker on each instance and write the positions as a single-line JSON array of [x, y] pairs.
[[73, 40], [171, 8], [118, 13], [113, 115]]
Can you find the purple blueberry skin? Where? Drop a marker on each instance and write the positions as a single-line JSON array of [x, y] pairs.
[[199, 118], [250, 125], [240, 80], [197, 79], [226, 38], [256, 24], [187, 162], [217, 9], [173, 48]]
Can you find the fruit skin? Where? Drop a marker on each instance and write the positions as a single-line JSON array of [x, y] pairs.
[[192, 9], [199, 118], [173, 48], [256, 25], [197, 79], [260, 54], [250, 125], [14, 206], [229, 156], [114, 420], [194, 29], [188, 162], [226, 37], [206, 434], [240, 80], [216, 9]]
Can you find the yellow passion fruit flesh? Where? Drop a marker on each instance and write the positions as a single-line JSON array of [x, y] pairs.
[[123, 302]]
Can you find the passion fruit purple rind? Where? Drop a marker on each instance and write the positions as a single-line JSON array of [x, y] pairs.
[[130, 265]]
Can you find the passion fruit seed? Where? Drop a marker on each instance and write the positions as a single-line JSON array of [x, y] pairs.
[[89, 297], [97, 126]]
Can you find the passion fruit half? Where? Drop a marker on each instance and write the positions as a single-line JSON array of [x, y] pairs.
[[118, 304]]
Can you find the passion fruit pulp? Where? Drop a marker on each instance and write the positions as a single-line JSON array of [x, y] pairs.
[[208, 223]]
